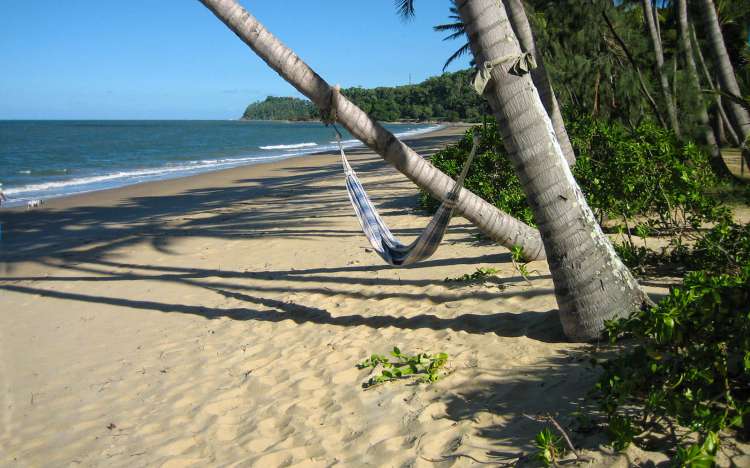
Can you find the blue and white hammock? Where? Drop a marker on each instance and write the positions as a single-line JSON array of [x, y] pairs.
[[382, 240]]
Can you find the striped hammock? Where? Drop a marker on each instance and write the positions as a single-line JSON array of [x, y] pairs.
[[382, 240]]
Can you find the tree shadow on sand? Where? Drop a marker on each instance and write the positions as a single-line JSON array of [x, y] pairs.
[[303, 202]]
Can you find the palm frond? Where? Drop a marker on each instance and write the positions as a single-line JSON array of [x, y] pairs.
[[404, 8], [455, 35], [457, 54], [449, 27]]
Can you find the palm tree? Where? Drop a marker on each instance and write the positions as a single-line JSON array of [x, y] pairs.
[[456, 30], [653, 29], [723, 120], [717, 162], [728, 81], [591, 282], [520, 23], [496, 224]]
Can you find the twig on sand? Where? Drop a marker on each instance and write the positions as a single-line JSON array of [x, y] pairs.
[[549, 418], [505, 462], [510, 461]]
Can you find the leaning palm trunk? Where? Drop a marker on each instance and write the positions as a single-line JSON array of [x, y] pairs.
[[520, 24], [591, 283], [496, 224], [727, 80], [722, 116], [717, 162], [653, 30]]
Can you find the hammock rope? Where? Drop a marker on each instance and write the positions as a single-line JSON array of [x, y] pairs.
[[383, 242]]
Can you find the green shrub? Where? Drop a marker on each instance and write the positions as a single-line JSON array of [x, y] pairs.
[[623, 172], [644, 171], [491, 175], [481, 274], [724, 248], [549, 447], [424, 367], [690, 364]]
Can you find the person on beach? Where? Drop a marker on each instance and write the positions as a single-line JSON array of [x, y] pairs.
[[3, 198]]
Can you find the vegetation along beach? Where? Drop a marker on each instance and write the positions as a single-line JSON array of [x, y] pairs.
[[408, 233]]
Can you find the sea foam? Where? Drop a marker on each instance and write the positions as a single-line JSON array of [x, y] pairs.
[[284, 147], [84, 183]]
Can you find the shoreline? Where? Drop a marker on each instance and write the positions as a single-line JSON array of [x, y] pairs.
[[52, 200], [216, 320]]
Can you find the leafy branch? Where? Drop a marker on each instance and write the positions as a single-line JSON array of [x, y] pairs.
[[424, 367]]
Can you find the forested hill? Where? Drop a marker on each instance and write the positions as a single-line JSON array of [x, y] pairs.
[[448, 97], [280, 108]]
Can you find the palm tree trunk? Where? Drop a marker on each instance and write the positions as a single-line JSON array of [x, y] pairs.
[[722, 115], [732, 136], [738, 115], [648, 17], [591, 283], [520, 24], [498, 225], [717, 162]]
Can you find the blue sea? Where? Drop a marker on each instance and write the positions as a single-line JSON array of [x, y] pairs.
[[47, 159]]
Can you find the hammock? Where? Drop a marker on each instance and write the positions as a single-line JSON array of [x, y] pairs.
[[388, 247]]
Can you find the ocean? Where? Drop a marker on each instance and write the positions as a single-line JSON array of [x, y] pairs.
[[47, 159]]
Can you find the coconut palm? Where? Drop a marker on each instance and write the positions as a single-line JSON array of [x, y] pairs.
[[520, 24], [496, 224], [651, 22], [522, 28], [592, 284], [456, 30], [723, 122], [738, 115], [717, 162]]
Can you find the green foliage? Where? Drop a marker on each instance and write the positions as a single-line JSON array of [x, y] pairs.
[[644, 171], [623, 172], [724, 248], [424, 367], [480, 274], [520, 263], [281, 108], [689, 363], [699, 455], [549, 447], [491, 175], [448, 97], [588, 68]]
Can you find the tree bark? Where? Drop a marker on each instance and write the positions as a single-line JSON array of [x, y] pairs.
[[738, 115], [648, 18], [722, 116], [591, 283], [520, 24], [709, 138], [496, 224]]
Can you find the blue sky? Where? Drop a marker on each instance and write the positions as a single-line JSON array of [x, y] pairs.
[[172, 59]]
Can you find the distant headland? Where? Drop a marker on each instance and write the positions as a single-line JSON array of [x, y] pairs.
[[448, 97]]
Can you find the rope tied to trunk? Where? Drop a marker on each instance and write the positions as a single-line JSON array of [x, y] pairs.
[[329, 114], [521, 64]]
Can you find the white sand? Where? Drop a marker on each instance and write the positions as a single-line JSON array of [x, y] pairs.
[[216, 321]]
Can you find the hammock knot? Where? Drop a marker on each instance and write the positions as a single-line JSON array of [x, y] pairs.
[[520, 65], [329, 114]]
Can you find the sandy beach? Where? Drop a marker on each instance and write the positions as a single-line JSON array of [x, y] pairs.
[[216, 320]]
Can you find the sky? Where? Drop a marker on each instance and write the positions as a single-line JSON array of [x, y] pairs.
[[173, 59]]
